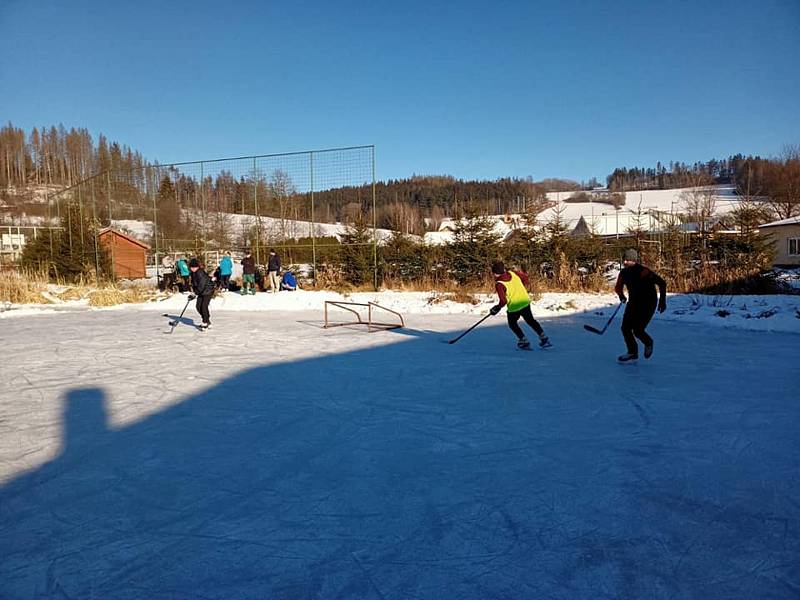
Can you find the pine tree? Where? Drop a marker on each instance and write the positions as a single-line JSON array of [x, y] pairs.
[[473, 246], [403, 259], [356, 253], [69, 253]]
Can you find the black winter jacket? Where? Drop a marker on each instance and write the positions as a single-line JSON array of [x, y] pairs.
[[201, 283], [274, 263], [641, 283]]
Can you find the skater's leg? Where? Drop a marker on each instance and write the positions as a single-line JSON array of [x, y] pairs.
[[640, 333], [204, 301], [629, 321], [534, 324], [645, 314], [513, 317]]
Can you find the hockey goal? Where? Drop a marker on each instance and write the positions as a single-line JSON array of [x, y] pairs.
[[355, 313]]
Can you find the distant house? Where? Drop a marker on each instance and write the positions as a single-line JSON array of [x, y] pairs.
[[127, 254], [785, 235]]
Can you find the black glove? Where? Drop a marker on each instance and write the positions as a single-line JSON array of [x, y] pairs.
[[623, 299], [192, 296], [662, 305], [495, 309]]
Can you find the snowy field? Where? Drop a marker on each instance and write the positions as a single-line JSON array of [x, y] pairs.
[[271, 458]]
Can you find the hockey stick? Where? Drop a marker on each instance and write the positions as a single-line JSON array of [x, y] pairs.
[[453, 341], [603, 330], [176, 321]]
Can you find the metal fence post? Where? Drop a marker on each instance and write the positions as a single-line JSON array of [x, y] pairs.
[[155, 233], [96, 241], [313, 227], [203, 203], [111, 227], [374, 226], [255, 210]]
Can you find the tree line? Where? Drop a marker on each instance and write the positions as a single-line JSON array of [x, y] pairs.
[[57, 156], [413, 205], [776, 180]]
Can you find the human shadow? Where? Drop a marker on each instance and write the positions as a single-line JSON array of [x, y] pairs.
[[177, 319], [404, 470]]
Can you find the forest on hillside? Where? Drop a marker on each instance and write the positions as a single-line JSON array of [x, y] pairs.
[[134, 188]]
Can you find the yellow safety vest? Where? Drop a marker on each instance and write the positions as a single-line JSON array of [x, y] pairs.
[[516, 295]]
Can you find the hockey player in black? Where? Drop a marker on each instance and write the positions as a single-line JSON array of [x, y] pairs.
[[203, 287], [641, 283]]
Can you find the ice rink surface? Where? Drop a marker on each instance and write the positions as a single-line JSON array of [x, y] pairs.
[[270, 458]]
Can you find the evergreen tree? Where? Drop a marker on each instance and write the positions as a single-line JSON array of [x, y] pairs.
[[357, 253], [69, 253], [473, 247], [170, 226], [403, 259]]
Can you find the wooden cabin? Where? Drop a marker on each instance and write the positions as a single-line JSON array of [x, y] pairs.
[[127, 254]]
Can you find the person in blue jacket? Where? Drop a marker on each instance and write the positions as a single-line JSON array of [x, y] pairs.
[[289, 282], [182, 270], [225, 271]]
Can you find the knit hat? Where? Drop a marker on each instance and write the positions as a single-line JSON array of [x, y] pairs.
[[194, 263], [498, 268], [631, 254]]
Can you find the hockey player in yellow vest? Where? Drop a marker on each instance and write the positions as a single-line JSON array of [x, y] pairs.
[[512, 291]]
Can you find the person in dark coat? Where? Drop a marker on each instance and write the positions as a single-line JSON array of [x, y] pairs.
[[203, 287], [273, 268], [641, 302], [248, 274]]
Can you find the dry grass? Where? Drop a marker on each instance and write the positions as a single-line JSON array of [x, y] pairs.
[[460, 297], [23, 288], [72, 293], [113, 295], [33, 288]]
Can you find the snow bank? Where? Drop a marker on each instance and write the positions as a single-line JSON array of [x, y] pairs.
[[763, 313]]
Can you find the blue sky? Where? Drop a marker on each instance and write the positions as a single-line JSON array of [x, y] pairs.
[[471, 89]]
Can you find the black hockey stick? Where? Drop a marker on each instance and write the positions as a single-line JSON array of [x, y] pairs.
[[176, 321], [454, 340], [603, 330]]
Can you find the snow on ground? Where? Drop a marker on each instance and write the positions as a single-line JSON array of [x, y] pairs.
[[271, 458]]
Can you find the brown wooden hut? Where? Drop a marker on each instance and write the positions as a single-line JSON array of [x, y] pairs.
[[127, 254]]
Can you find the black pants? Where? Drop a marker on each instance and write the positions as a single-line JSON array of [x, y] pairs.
[[634, 321], [224, 281], [202, 307], [526, 314]]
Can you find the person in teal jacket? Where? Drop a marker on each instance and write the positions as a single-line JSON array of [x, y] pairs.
[[183, 273], [225, 271]]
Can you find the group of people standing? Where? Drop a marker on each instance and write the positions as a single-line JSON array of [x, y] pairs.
[[224, 272], [287, 282], [191, 276]]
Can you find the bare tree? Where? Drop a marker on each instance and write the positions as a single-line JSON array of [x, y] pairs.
[[436, 218], [700, 204], [782, 182], [403, 217], [282, 190]]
